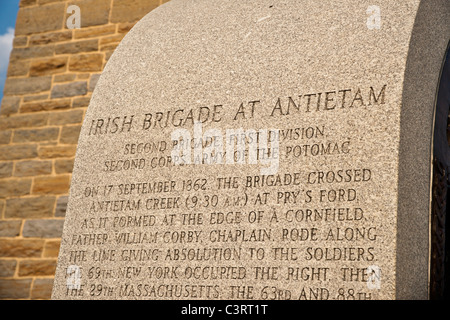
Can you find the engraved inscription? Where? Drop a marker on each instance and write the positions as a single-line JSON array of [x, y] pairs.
[[243, 235]]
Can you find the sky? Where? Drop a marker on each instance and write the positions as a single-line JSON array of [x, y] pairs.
[[8, 15]]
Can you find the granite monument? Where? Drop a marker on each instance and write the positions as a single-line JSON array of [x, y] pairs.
[[277, 150]]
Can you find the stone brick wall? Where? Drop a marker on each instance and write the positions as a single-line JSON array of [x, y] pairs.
[[52, 73]]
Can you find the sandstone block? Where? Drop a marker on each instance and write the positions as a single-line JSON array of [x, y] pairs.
[[15, 289], [40, 19], [19, 248], [36, 135], [125, 27], [64, 166], [18, 86], [61, 206], [42, 289], [108, 55], [20, 41], [115, 39], [108, 47], [132, 10], [10, 228], [34, 207], [93, 81], [14, 187], [51, 185], [37, 97], [86, 62], [32, 52], [77, 47], [5, 136], [49, 1], [48, 66], [32, 168], [17, 152], [66, 117], [33, 268], [45, 228], [26, 3], [83, 76], [48, 105], [51, 248], [7, 268], [19, 121], [6, 170], [69, 90], [17, 68], [81, 102], [70, 134], [64, 77], [53, 37], [10, 105], [94, 32], [56, 152]]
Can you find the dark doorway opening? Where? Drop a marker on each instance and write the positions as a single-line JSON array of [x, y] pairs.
[[440, 219]]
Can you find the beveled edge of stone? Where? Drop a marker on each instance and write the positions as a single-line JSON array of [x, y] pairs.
[[428, 44]]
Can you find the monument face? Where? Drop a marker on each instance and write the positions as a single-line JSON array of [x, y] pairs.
[[259, 150]]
